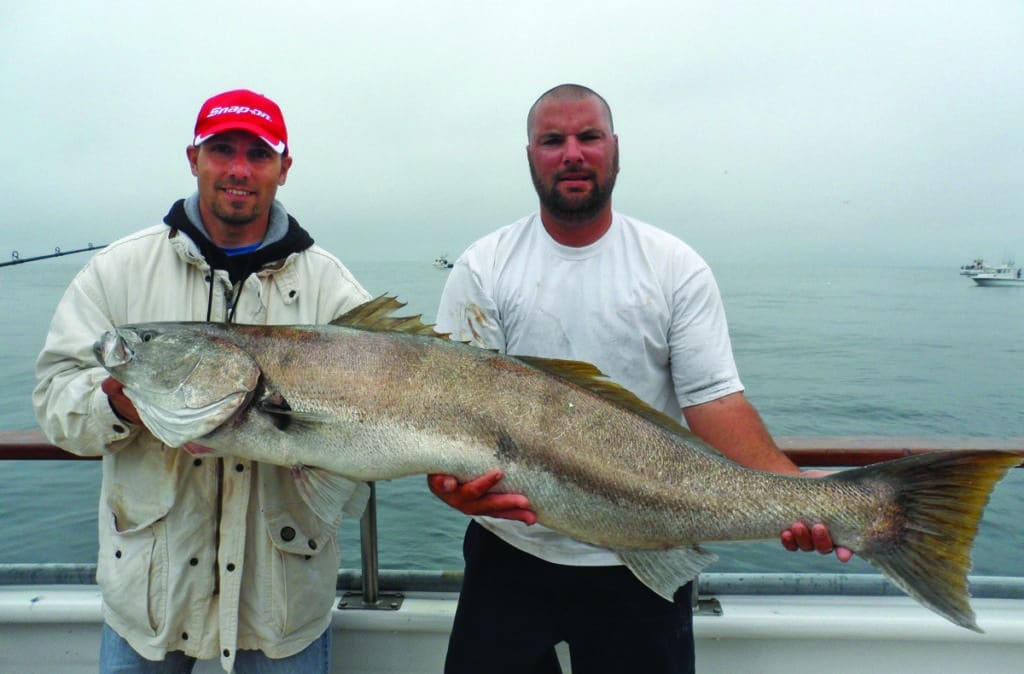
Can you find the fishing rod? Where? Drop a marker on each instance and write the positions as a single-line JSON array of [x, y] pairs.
[[16, 258]]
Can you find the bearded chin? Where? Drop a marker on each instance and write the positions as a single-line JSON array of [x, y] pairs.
[[230, 217], [574, 208]]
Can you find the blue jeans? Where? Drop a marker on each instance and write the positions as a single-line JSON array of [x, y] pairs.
[[118, 657]]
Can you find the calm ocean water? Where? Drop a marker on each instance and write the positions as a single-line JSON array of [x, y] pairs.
[[821, 350]]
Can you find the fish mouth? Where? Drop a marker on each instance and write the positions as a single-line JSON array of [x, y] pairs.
[[111, 350]]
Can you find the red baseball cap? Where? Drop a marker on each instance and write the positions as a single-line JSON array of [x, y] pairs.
[[242, 110]]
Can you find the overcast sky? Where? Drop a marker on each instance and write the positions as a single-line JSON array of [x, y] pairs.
[[861, 132]]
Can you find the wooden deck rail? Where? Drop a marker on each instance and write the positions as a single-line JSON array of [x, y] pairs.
[[819, 451]]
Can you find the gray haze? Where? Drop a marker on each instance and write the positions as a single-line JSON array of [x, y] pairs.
[[804, 132]]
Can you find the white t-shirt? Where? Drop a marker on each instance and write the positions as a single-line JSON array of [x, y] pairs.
[[639, 304]]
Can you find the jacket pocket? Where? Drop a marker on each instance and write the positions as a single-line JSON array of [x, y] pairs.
[[300, 578], [133, 569]]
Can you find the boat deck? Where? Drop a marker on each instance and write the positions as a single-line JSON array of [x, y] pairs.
[[56, 629]]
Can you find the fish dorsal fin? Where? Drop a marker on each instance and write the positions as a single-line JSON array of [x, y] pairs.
[[589, 377], [376, 315]]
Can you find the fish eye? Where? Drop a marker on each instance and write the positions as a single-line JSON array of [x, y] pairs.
[[146, 336]]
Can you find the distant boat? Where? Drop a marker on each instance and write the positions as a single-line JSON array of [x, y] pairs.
[[442, 262], [978, 267], [999, 277], [973, 268]]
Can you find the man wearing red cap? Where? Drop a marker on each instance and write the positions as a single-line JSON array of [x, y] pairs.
[[203, 556]]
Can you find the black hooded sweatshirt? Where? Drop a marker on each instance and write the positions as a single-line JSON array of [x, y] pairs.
[[239, 266]]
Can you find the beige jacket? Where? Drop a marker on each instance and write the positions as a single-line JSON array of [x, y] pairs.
[[174, 574]]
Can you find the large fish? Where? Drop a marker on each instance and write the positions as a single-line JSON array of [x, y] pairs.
[[375, 397]]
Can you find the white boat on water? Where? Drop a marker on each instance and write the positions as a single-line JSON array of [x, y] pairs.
[[442, 262], [1000, 277], [978, 267], [973, 268], [398, 622]]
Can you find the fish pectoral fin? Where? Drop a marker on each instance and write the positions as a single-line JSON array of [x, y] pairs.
[[276, 405], [308, 417], [665, 571], [328, 494]]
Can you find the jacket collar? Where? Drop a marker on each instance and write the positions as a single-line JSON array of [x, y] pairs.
[[295, 240]]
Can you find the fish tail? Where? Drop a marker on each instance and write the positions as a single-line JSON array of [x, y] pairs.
[[924, 542]]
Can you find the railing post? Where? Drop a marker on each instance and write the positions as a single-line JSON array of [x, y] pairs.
[[368, 548], [371, 596], [703, 607]]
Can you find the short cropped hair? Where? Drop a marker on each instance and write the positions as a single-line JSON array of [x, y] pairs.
[[568, 92]]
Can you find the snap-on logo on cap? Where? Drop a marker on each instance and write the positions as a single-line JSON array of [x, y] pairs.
[[242, 110]]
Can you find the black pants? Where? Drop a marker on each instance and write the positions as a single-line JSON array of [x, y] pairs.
[[515, 607]]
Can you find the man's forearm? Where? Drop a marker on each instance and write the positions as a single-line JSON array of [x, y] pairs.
[[733, 426]]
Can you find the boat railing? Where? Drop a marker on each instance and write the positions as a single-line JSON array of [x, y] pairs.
[[373, 588]]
